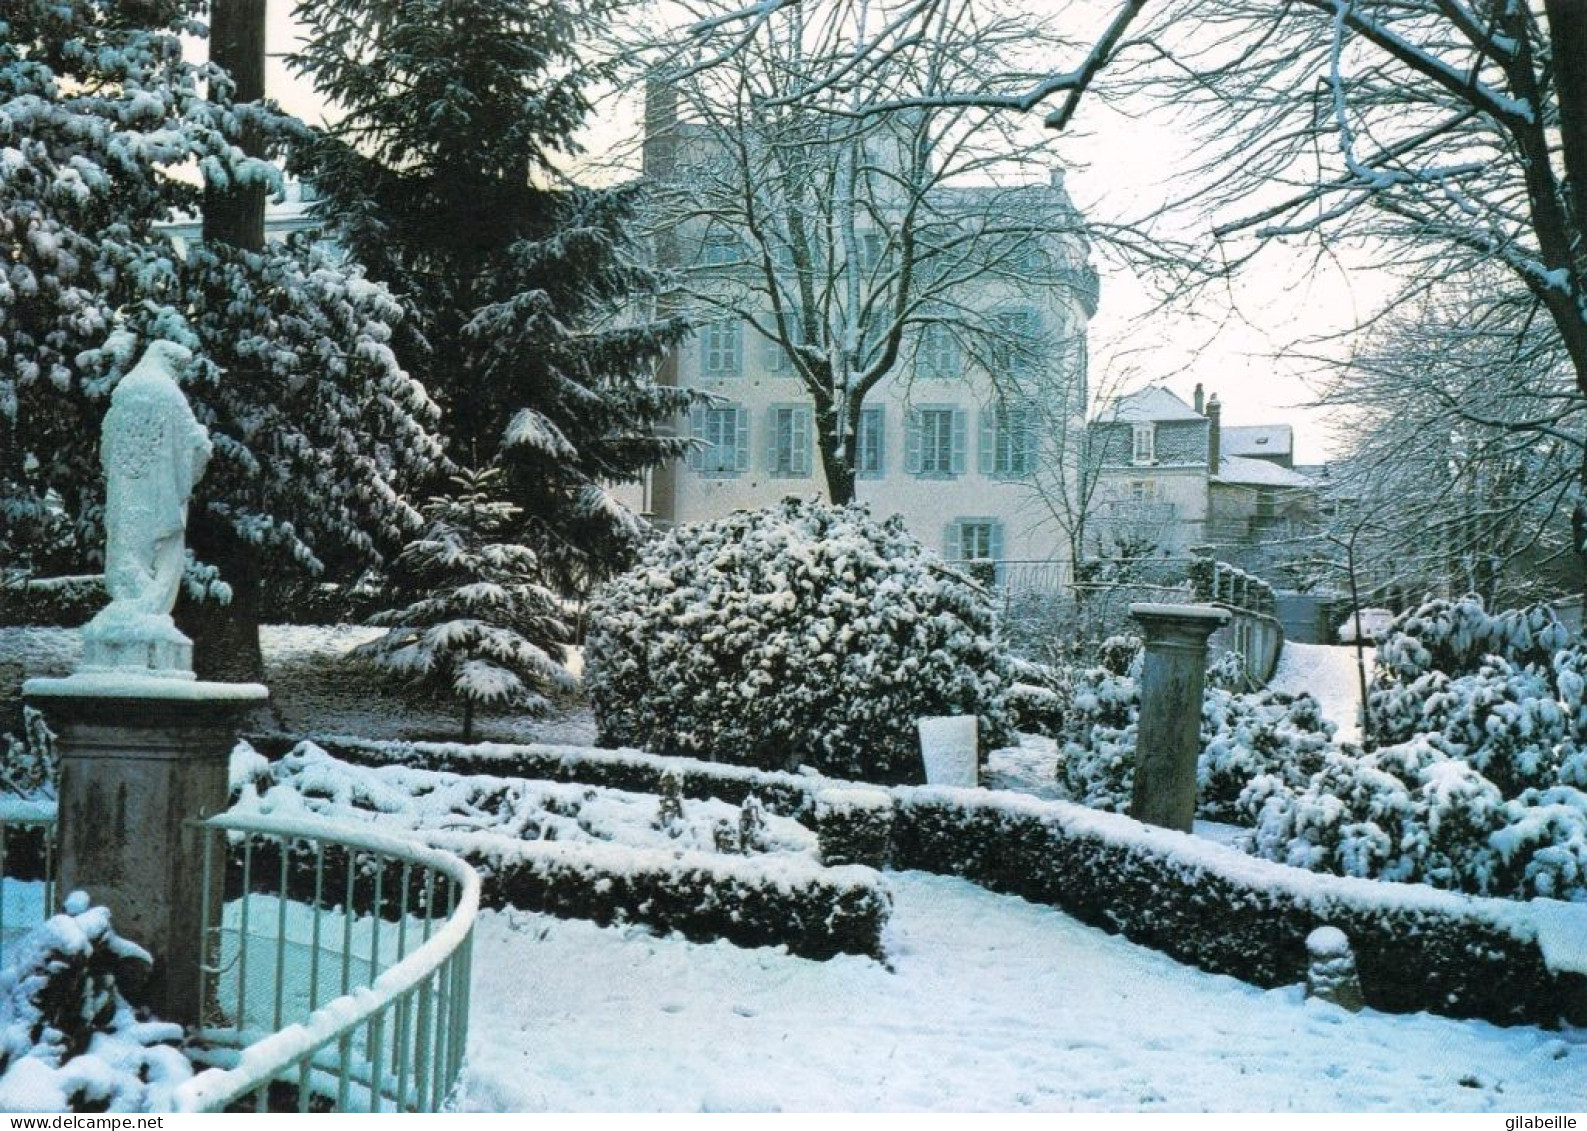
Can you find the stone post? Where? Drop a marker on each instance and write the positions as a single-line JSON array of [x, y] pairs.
[[1168, 739], [141, 759]]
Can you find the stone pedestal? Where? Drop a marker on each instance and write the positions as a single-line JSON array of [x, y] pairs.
[[1168, 739], [141, 758]]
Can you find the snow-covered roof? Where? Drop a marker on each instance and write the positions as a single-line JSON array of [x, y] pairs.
[[1258, 440], [1259, 473], [1155, 403]]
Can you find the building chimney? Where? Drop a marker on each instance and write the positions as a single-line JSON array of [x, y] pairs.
[[1055, 176], [1214, 434], [661, 128], [1200, 400]]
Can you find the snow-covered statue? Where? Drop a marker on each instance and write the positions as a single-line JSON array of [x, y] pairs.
[[154, 452]]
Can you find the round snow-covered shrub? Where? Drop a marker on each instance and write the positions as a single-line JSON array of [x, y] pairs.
[[799, 634]]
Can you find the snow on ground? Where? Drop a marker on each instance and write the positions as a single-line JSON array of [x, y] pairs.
[[1328, 672], [313, 689], [994, 1004], [1031, 767]]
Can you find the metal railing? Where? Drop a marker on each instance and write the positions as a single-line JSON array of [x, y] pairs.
[[338, 979], [27, 869]]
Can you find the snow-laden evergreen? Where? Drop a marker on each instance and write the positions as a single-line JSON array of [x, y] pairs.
[[799, 634], [69, 1038], [1479, 781], [528, 310], [318, 430], [479, 628]]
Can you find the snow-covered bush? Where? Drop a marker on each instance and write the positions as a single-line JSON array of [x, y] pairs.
[[69, 1039], [800, 634], [29, 764], [481, 627], [1243, 736], [1477, 783]]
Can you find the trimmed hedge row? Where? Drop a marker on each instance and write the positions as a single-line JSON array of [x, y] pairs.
[[1202, 903], [52, 602], [815, 912], [1215, 908], [787, 795]]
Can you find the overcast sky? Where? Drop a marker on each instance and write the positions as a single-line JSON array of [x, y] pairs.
[[1235, 342]]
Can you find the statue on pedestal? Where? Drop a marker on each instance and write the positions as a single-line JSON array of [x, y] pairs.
[[154, 452]]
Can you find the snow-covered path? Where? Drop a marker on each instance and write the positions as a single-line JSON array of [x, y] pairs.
[[1328, 672], [995, 1004]]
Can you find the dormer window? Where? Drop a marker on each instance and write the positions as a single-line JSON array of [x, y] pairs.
[[1145, 450]]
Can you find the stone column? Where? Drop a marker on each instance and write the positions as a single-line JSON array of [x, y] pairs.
[[142, 758], [1168, 739]]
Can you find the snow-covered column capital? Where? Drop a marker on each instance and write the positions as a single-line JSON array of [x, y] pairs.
[[1168, 740], [154, 451]]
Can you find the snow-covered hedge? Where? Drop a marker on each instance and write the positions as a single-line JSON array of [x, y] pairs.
[[792, 795], [1244, 736], [803, 634], [1223, 911], [592, 853], [52, 602], [1478, 782]]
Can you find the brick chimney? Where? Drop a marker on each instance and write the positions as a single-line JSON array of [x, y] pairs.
[[1214, 434], [1200, 399]]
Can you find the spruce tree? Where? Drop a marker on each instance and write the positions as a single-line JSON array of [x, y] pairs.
[[438, 176], [476, 608], [318, 430]]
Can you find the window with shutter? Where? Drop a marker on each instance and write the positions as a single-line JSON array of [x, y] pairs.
[[788, 441], [722, 431], [975, 539], [869, 449], [1009, 440], [721, 348], [1015, 349], [937, 352], [1145, 443], [937, 441]]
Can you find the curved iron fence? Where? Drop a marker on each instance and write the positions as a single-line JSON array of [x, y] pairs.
[[336, 976]]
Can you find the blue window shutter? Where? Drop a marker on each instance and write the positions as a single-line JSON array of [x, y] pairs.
[[742, 439], [736, 337], [878, 436], [912, 459], [952, 546], [988, 449], [801, 441], [697, 430], [768, 459], [1030, 425], [960, 428], [997, 541]]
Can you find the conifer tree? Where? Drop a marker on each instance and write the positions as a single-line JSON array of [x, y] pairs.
[[318, 430], [476, 609], [529, 323]]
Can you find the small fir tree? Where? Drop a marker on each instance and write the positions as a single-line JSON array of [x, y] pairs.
[[479, 627]]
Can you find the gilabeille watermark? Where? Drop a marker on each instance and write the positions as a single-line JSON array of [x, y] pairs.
[[1540, 1123]]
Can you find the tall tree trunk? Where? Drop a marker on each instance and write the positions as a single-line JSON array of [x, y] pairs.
[[234, 214], [839, 471], [226, 637]]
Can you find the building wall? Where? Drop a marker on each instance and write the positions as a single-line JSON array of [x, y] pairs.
[[929, 502], [1164, 505]]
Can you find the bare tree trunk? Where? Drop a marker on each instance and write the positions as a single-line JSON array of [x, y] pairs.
[[226, 637], [234, 214]]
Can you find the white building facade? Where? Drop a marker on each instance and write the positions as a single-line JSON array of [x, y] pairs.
[[966, 435]]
